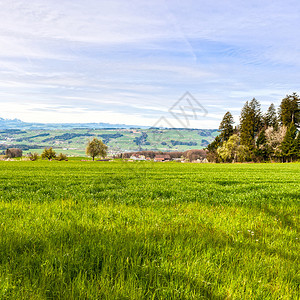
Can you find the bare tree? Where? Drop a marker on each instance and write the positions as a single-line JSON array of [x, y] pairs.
[[13, 152]]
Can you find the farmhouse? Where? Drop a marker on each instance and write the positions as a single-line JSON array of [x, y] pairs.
[[137, 157], [162, 157]]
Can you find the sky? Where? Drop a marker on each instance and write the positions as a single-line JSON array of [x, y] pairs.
[[131, 62]]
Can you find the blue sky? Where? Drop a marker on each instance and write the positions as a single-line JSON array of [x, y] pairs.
[[130, 61]]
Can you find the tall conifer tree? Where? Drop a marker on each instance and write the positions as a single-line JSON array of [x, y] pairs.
[[289, 110], [298, 144], [250, 123], [226, 127], [270, 118], [289, 144]]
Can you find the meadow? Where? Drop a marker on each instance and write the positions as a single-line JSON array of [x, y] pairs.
[[144, 230]]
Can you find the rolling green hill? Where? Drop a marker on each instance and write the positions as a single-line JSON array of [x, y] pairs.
[[73, 141]]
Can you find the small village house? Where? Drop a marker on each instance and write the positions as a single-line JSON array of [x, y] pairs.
[[162, 157]]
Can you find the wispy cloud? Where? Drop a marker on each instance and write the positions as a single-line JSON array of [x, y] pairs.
[[130, 61]]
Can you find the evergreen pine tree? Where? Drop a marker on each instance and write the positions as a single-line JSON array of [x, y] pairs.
[[213, 155], [257, 115], [294, 150], [250, 123], [262, 150], [270, 118], [288, 146], [298, 144], [261, 139], [289, 110], [215, 144], [246, 128], [226, 127]]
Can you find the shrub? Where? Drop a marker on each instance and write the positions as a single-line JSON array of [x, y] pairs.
[[61, 157], [33, 156], [195, 154], [48, 153]]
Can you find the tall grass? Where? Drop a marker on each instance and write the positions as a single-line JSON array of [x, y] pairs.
[[113, 230]]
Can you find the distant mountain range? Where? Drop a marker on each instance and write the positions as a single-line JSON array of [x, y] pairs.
[[18, 124]]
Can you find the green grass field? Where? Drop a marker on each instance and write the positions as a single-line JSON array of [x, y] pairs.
[[113, 230]]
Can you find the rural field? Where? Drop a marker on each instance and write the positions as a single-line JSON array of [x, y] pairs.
[[118, 140], [144, 230]]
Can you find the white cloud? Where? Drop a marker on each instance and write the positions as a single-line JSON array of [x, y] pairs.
[[137, 58]]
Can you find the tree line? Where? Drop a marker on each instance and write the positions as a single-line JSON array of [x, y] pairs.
[[259, 137], [190, 155]]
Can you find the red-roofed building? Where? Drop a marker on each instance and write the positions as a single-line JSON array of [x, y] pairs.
[[162, 157]]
